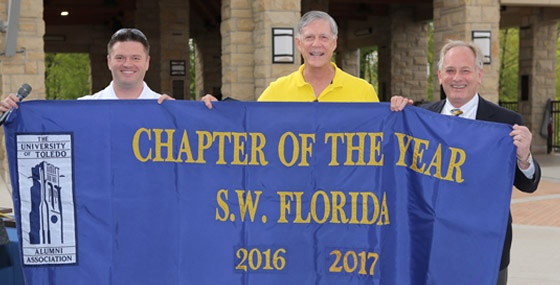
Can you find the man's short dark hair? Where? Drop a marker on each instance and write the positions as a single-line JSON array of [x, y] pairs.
[[128, 35]]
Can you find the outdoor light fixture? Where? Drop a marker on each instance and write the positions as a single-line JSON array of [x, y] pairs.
[[282, 45], [484, 40], [64, 13]]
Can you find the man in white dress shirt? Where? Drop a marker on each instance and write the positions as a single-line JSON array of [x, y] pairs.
[[128, 58]]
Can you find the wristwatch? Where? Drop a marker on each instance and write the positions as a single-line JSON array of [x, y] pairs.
[[529, 159]]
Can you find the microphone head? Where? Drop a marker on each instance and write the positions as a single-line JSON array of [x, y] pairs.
[[23, 91]]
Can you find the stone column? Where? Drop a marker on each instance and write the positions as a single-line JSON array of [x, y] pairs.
[[238, 49], [174, 46], [409, 55], [100, 73], [28, 65], [208, 63], [384, 77], [347, 59], [456, 20], [246, 31], [268, 15], [537, 71]]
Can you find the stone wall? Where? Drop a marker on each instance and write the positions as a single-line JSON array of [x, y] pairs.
[[349, 61], [246, 31], [208, 63], [384, 77], [409, 55], [27, 66], [272, 14], [174, 45], [237, 49], [147, 19], [455, 20], [347, 58], [537, 62]]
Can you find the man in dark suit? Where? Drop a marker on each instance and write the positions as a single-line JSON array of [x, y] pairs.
[[460, 74]]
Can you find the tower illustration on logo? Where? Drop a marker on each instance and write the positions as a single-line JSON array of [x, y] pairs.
[[46, 207]]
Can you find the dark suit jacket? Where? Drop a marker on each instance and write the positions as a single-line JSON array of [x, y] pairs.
[[491, 112]]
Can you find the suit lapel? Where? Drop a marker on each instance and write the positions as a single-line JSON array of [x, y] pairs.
[[437, 107], [484, 111]]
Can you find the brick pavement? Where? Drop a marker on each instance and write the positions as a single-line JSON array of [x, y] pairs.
[[541, 208]]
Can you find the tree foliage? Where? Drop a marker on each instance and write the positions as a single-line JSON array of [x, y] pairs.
[[66, 75], [368, 65], [509, 64]]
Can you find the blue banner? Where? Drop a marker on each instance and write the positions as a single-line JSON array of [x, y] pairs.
[[132, 192]]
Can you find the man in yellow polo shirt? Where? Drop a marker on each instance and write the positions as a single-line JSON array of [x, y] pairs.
[[318, 79], [344, 88]]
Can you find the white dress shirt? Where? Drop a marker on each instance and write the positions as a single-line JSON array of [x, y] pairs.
[[109, 94]]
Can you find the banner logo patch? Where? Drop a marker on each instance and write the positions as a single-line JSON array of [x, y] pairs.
[[45, 175]]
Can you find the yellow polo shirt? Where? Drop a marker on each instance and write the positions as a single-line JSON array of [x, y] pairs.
[[344, 88]]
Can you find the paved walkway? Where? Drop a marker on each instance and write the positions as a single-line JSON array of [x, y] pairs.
[[535, 253]]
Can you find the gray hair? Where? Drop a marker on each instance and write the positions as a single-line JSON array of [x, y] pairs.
[[316, 15], [452, 44]]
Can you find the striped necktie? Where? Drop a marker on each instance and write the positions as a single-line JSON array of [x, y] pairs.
[[456, 112]]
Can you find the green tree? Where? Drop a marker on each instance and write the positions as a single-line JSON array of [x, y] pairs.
[[509, 64], [368, 65], [66, 75]]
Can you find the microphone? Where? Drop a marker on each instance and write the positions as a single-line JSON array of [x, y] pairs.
[[22, 92]]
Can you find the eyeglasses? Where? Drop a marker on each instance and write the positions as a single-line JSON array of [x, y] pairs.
[[129, 30]]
